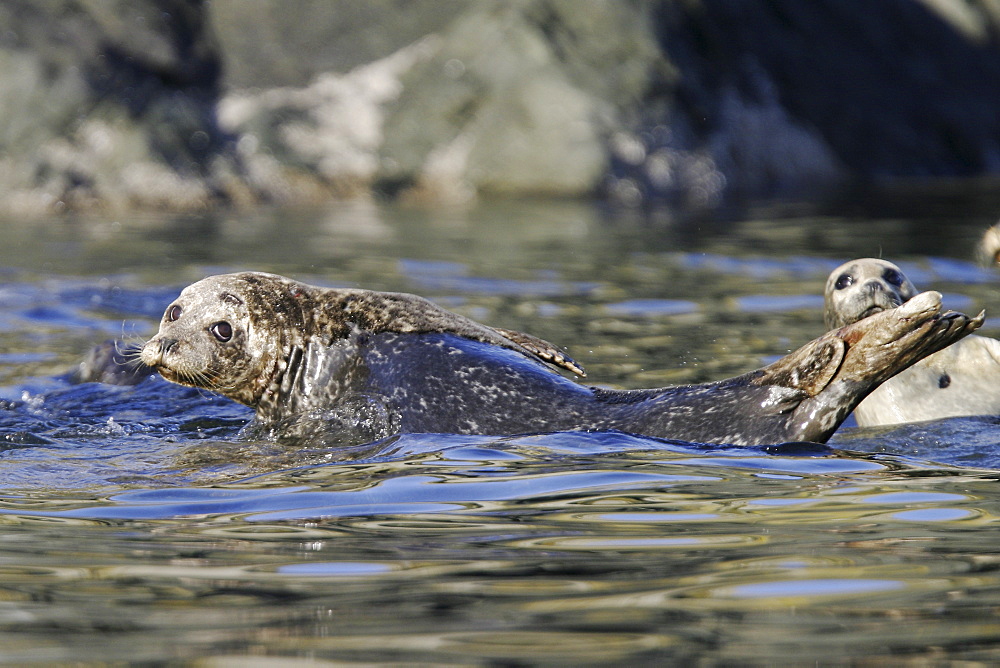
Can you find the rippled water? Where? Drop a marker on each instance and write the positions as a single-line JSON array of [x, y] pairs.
[[140, 524]]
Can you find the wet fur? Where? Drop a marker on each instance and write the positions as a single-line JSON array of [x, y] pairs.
[[297, 348]]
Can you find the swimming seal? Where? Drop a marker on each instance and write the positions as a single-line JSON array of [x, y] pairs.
[[283, 347], [962, 379]]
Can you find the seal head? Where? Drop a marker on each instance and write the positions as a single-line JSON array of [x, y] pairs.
[[988, 249], [860, 288], [223, 336]]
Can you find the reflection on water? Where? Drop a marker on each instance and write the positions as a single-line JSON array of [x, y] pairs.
[[144, 524]]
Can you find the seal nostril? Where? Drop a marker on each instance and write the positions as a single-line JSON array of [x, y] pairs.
[[166, 345], [871, 287]]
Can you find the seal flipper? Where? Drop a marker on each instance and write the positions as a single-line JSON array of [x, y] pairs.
[[874, 350], [542, 349], [809, 369], [403, 313]]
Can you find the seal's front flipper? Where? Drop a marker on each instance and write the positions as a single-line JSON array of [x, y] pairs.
[[403, 313], [542, 349]]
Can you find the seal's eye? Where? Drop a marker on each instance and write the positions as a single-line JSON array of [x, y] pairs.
[[173, 313], [843, 281], [893, 277], [222, 331]]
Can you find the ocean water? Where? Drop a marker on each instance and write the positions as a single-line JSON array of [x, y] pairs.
[[146, 524]]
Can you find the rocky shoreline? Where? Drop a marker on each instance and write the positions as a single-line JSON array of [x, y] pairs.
[[183, 106]]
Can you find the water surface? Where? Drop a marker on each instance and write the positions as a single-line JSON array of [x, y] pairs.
[[143, 524]]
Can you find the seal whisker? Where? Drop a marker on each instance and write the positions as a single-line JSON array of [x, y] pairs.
[[128, 356], [130, 339]]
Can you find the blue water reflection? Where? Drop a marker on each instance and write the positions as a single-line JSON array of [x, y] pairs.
[[810, 588], [147, 524]]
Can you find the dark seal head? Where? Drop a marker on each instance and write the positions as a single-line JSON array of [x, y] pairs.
[[287, 348], [111, 363], [860, 288]]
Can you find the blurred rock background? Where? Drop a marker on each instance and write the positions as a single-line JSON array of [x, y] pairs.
[[117, 105]]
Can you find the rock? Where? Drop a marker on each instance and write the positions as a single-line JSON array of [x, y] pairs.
[[692, 103], [518, 99], [322, 139], [289, 45], [863, 90], [506, 98], [108, 104], [183, 105]]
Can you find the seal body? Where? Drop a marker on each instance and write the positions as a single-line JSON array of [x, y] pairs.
[[962, 379], [286, 348], [446, 383]]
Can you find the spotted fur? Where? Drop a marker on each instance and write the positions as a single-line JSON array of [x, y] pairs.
[[287, 348]]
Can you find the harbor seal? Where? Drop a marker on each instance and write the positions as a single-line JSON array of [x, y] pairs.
[[962, 379], [286, 348]]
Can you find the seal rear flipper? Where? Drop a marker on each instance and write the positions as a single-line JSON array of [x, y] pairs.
[[809, 369], [886, 343], [874, 349]]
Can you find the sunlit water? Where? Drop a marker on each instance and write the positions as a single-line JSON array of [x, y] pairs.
[[143, 524]]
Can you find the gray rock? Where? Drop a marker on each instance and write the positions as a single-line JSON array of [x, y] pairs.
[[787, 96], [282, 44], [519, 98], [693, 103], [108, 104], [116, 104]]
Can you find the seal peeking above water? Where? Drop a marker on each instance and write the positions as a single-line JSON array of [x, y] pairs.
[[287, 348], [962, 379]]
